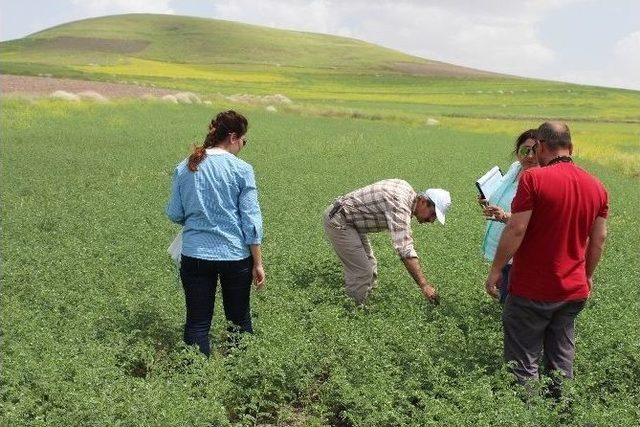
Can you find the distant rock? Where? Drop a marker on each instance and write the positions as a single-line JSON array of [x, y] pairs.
[[64, 95], [278, 99], [256, 99], [188, 98], [271, 108], [92, 96], [432, 122], [170, 98]]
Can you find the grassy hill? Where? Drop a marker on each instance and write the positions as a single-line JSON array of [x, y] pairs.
[[324, 75], [199, 41], [213, 56]]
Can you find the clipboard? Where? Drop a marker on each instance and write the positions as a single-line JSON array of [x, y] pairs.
[[488, 182]]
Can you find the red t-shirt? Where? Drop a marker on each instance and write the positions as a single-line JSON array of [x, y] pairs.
[[564, 201]]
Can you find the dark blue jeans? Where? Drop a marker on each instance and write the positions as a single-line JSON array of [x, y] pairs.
[[199, 280], [504, 285]]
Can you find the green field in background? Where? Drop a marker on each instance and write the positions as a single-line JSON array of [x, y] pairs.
[[92, 311]]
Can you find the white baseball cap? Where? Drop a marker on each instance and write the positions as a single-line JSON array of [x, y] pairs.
[[441, 199]]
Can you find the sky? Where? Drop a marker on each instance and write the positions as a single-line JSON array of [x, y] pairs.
[[581, 41]]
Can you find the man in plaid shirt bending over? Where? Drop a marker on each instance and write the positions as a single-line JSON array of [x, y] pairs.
[[384, 205]]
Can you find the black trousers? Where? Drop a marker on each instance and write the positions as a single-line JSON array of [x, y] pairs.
[[199, 280]]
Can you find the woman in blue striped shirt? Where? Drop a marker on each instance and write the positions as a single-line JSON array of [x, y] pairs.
[[214, 197]]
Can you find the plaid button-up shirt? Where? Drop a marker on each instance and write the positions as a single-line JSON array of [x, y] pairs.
[[384, 205]]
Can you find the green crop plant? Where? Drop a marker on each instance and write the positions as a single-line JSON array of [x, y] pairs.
[[92, 312]]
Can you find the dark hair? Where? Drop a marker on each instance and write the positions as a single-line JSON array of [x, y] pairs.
[[554, 135], [527, 134], [430, 202], [224, 124]]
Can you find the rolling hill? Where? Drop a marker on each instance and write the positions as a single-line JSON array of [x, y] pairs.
[[200, 42], [319, 72]]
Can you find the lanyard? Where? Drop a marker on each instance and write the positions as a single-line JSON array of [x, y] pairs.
[[560, 159]]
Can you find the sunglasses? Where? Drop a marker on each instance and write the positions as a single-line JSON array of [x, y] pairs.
[[526, 151], [244, 140]]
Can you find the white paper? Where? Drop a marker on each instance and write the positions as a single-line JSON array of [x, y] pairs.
[[175, 248], [490, 181]]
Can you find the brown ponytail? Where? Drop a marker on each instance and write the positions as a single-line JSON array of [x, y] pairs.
[[224, 124]]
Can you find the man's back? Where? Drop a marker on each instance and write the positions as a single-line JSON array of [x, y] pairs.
[[383, 205], [550, 262]]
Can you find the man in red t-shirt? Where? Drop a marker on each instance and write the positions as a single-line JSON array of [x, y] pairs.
[[556, 235]]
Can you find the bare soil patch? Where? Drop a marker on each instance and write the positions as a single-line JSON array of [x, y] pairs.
[[30, 85]]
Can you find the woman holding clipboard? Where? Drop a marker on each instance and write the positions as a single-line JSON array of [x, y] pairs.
[[497, 208]]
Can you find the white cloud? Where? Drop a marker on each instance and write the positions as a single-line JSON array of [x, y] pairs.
[[626, 67], [622, 69], [109, 7], [491, 35], [628, 50]]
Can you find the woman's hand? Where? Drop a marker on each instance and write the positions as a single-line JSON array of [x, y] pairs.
[[258, 276], [495, 213], [258, 269]]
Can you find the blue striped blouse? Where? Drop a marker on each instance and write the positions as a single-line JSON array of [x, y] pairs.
[[218, 207]]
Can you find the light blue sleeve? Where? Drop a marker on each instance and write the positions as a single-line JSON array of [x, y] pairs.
[[250, 215], [505, 191], [513, 171], [502, 197], [175, 210]]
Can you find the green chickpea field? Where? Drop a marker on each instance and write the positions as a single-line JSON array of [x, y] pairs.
[[92, 309]]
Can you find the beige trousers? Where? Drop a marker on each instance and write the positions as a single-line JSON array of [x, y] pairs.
[[354, 250]]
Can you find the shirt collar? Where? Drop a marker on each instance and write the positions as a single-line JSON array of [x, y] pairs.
[[215, 150]]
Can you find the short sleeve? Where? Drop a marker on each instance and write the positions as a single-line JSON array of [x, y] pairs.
[[604, 209], [525, 197]]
